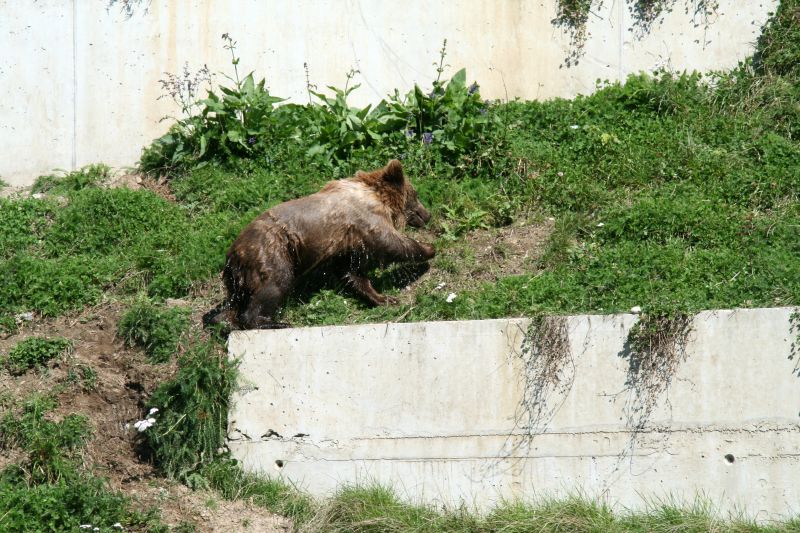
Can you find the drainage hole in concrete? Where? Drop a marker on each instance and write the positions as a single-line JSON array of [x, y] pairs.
[[729, 458], [279, 464]]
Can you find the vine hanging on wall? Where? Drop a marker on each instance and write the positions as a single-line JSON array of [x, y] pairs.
[[549, 372], [573, 17], [129, 7]]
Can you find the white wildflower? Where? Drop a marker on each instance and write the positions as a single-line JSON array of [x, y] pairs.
[[600, 224], [152, 411], [636, 309], [440, 286], [142, 425], [574, 127], [450, 297], [24, 317]]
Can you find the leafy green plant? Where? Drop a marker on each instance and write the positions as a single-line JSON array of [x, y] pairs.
[[68, 505], [193, 411], [656, 345], [88, 176], [778, 50], [35, 352], [157, 330], [460, 221], [84, 375], [337, 128], [243, 122], [8, 324], [573, 16], [23, 221], [237, 122], [451, 117]]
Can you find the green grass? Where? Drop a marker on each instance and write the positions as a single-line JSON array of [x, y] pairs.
[[379, 509], [65, 506], [88, 176], [24, 222], [35, 352], [155, 329], [226, 477], [191, 424], [51, 447], [665, 194]]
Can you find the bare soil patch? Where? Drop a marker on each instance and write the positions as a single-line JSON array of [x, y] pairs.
[[113, 399], [482, 256]]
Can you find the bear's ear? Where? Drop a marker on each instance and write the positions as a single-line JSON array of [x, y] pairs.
[[393, 172]]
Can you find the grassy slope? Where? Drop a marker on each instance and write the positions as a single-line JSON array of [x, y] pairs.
[[665, 195]]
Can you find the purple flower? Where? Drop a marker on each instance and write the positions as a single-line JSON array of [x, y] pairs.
[[410, 133], [472, 89], [251, 141], [483, 111], [427, 137]]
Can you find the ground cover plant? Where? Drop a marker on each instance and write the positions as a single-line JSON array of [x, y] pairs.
[[89, 176], [35, 352], [155, 329], [674, 192]]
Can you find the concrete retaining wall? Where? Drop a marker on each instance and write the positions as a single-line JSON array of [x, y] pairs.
[[80, 80], [457, 412]]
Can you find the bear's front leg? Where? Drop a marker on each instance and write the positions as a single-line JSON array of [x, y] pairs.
[[362, 286], [394, 247]]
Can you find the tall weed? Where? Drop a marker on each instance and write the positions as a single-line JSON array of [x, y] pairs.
[[192, 408], [158, 331]]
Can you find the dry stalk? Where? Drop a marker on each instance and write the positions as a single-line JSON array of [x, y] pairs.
[[545, 354], [656, 346]]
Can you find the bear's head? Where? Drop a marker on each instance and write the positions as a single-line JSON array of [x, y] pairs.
[[414, 212]]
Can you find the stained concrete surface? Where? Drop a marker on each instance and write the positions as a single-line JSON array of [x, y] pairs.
[[459, 412]]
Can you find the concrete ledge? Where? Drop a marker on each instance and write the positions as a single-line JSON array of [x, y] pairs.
[[466, 412]]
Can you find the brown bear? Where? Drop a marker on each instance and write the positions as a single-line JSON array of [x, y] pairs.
[[349, 227]]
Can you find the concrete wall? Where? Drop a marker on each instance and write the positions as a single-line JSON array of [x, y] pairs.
[[80, 80], [455, 412]]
